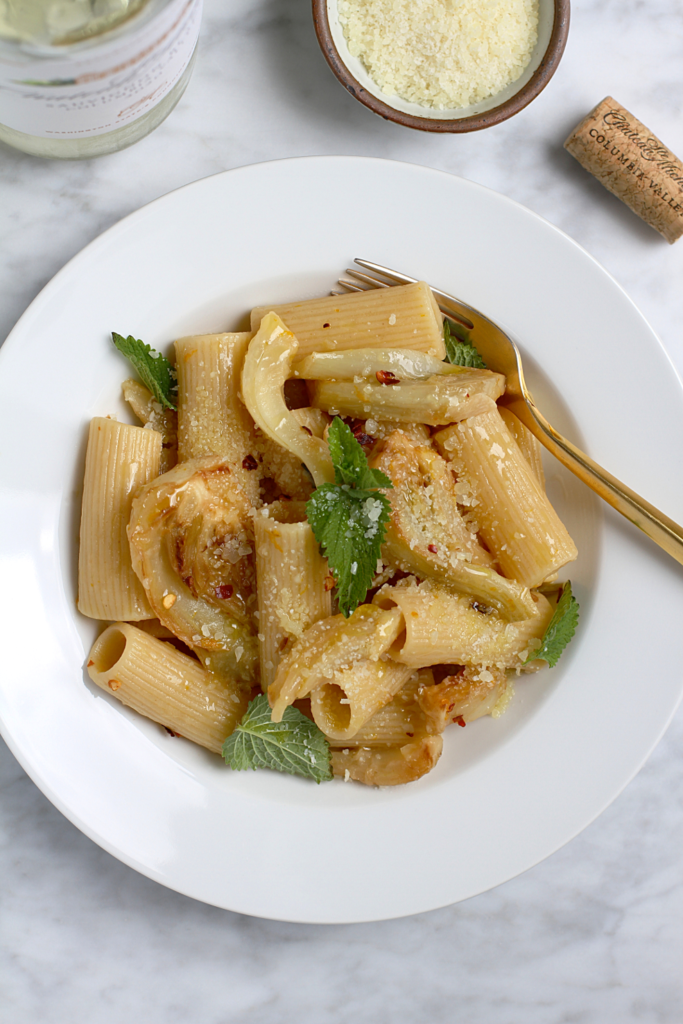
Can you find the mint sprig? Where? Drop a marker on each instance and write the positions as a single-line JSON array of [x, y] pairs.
[[154, 370], [295, 745], [459, 349], [561, 628], [349, 517]]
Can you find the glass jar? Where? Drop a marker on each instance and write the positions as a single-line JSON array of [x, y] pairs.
[[81, 78]]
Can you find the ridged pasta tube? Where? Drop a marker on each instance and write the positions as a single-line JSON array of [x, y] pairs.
[[445, 628], [427, 535], [529, 445], [345, 703], [171, 688], [402, 317], [120, 459], [292, 585], [519, 525], [330, 645], [399, 721]]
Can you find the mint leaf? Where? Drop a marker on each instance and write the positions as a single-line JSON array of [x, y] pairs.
[[154, 370], [349, 460], [295, 745], [459, 349], [349, 517], [561, 628]]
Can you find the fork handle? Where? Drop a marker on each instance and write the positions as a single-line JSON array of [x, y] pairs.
[[657, 526]]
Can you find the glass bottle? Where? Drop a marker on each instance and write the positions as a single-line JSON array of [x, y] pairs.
[[81, 78]]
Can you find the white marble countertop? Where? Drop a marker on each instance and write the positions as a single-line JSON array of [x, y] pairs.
[[593, 934]]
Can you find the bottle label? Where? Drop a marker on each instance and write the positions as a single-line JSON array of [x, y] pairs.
[[104, 86]]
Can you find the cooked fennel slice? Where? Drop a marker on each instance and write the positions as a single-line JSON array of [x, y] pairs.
[[403, 363], [390, 767], [191, 541], [437, 401], [469, 693], [266, 368]]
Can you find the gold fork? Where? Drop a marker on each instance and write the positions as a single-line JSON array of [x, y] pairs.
[[500, 353]]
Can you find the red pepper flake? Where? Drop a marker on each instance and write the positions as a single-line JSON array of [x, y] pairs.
[[171, 733], [358, 431], [329, 582], [387, 377], [224, 592], [114, 684], [326, 325], [459, 720], [433, 548], [249, 462], [90, 663]]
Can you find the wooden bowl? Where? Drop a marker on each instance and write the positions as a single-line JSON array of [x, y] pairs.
[[553, 27]]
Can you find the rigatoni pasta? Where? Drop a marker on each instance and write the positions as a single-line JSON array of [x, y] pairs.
[[237, 588], [404, 317], [163, 684], [518, 523], [446, 628], [292, 585], [119, 460]]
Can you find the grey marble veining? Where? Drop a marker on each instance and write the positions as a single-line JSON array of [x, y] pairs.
[[595, 933]]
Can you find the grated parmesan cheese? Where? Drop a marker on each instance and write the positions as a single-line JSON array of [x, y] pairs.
[[441, 53]]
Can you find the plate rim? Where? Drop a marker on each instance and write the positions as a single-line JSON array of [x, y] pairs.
[[24, 324]]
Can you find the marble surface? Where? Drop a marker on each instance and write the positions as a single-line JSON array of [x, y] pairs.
[[594, 933]]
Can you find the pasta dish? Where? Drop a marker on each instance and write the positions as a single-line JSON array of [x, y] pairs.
[[326, 541]]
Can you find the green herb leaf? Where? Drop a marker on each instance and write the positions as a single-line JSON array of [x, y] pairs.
[[295, 745], [154, 370], [349, 517], [561, 628], [459, 349], [349, 461]]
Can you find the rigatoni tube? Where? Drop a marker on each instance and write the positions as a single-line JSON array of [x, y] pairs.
[[403, 317], [159, 682], [212, 419], [445, 628], [120, 459], [519, 525], [436, 401], [345, 703], [293, 586]]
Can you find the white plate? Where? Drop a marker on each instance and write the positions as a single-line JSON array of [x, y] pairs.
[[506, 793]]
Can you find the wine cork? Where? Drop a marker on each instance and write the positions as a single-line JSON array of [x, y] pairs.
[[633, 164]]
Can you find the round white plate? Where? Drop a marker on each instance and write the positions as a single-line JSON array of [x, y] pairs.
[[506, 793]]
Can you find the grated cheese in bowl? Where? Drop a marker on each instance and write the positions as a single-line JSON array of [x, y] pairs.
[[441, 53]]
